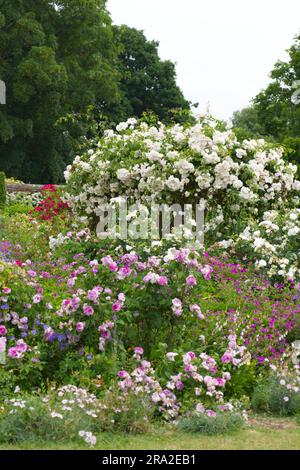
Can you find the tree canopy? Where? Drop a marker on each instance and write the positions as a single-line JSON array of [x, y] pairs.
[[274, 113], [59, 59], [147, 83]]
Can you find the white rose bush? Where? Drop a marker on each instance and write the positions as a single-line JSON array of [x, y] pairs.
[[240, 182]]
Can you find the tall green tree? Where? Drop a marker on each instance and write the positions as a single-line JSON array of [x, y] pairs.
[[56, 58], [147, 83], [66, 67], [274, 113]]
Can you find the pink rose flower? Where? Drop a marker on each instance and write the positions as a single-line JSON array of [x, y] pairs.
[[80, 327], [88, 310], [191, 281], [3, 330]]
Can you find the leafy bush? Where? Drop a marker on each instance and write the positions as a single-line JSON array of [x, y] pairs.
[[29, 419], [2, 190], [239, 181], [130, 413], [273, 244], [21, 198], [70, 413], [16, 208], [272, 397], [51, 207], [220, 423]]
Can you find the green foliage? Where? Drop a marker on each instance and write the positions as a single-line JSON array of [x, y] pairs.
[[2, 190], [67, 70], [273, 114], [203, 424], [270, 397], [243, 381], [32, 422], [63, 413], [147, 82], [130, 413], [17, 208], [30, 236], [246, 123], [55, 59]]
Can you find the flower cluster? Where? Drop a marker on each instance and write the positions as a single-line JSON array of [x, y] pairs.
[[25, 199], [51, 206], [273, 243], [142, 381], [237, 181]]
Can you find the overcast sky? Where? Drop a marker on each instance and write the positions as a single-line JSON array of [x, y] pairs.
[[223, 49]]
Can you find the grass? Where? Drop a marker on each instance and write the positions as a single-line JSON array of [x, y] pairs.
[[268, 434]]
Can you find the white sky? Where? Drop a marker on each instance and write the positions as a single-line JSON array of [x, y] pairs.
[[224, 50]]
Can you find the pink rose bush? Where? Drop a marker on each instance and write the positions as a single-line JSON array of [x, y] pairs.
[[81, 312]]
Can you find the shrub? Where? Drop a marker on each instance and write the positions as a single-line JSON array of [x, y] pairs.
[[34, 423], [2, 190], [272, 397], [24, 199], [239, 181], [59, 416], [273, 244], [220, 423], [70, 412], [130, 413], [51, 206]]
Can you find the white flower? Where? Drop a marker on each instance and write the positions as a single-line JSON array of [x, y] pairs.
[[174, 184], [293, 231], [53, 414], [183, 166], [123, 175], [122, 126], [261, 263]]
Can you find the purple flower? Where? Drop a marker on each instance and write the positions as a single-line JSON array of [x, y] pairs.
[[88, 310], [191, 281], [227, 358], [117, 306], [80, 327], [163, 281], [3, 330]]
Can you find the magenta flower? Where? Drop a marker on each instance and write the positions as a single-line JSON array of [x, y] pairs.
[[206, 272], [31, 273], [179, 385], [138, 350], [163, 281], [80, 327], [93, 294], [3, 330], [18, 351], [177, 307], [88, 310], [125, 271], [117, 306], [191, 281], [220, 382], [123, 374], [227, 358], [6, 290], [211, 413]]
